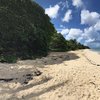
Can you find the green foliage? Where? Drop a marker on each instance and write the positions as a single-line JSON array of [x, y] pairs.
[[8, 59], [58, 43], [25, 30], [74, 45]]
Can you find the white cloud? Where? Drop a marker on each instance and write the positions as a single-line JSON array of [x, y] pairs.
[[89, 18], [93, 44], [89, 36], [68, 16], [77, 3], [52, 11], [64, 31], [74, 33], [64, 4], [91, 33], [97, 26]]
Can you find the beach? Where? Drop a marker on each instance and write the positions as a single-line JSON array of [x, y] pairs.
[[73, 75]]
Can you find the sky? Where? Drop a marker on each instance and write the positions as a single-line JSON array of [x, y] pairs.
[[75, 19]]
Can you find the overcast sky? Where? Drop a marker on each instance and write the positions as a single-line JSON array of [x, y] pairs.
[[75, 19]]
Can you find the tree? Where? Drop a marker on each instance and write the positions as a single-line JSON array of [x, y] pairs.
[[74, 45], [58, 43], [25, 30]]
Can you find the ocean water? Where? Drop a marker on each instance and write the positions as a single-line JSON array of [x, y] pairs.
[[96, 50]]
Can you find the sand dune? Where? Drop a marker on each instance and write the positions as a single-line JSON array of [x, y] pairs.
[[60, 76]]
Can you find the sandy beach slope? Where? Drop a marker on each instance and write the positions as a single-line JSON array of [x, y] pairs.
[[71, 75]]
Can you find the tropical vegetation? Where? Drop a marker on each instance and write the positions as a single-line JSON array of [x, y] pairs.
[[26, 32]]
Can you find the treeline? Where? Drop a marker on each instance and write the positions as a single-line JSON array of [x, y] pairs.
[[59, 43], [26, 32]]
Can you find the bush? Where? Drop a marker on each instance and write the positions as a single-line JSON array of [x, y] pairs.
[[8, 59]]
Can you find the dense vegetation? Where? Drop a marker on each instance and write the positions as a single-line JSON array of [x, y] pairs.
[[74, 45], [26, 32], [59, 43]]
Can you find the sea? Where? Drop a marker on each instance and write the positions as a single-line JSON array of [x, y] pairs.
[[96, 50]]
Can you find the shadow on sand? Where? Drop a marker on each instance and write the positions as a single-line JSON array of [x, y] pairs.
[[45, 90], [51, 59], [24, 76], [57, 58]]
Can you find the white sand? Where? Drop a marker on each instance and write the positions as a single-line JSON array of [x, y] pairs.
[[93, 56], [73, 79]]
